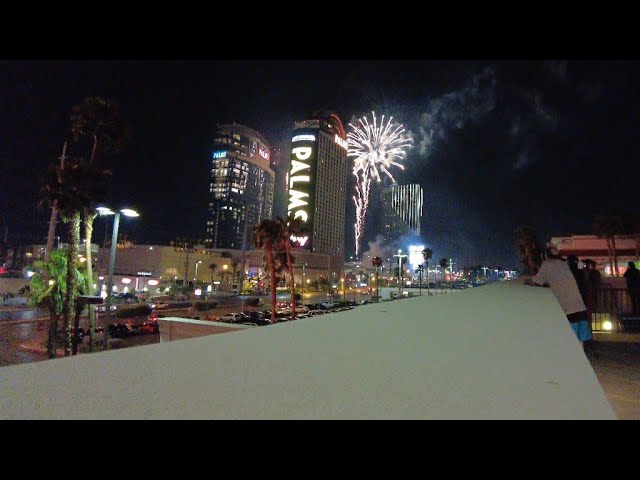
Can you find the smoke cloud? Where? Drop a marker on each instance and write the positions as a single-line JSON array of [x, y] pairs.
[[454, 110], [376, 250]]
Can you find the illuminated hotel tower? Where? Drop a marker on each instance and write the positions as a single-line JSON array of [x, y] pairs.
[[402, 211], [317, 182], [241, 187]]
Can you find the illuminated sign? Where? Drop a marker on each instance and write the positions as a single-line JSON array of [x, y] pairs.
[[302, 172], [415, 255], [304, 138], [220, 154], [299, 240], [263, 152], [341, 142]]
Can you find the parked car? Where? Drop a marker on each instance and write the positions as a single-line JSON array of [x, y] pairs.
[[120, 330], [149, 327], [231, 317]]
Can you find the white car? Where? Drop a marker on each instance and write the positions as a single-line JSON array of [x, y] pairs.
[[231, 317]]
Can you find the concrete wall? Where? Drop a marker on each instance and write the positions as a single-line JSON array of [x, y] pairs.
[[502, 351], [174, 328]]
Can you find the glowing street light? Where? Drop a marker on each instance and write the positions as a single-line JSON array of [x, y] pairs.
[[196, 277], [400, 255], [127, 212]]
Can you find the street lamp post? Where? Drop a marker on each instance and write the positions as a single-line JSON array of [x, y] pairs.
[[225, 267], [127, 212], [342, 283], [303, 277], [400, 255], [196, 277]]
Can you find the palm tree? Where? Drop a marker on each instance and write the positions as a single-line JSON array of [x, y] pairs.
[[212, 269], [48, 287], [530, 254], [99, 120], [444, 263], [234, 268], [266, 235], [427, 253], [607, 225], [377, 263], [72, 188], [293, 227]]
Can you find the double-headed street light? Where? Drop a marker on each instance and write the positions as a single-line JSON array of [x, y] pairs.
[[127, 212]]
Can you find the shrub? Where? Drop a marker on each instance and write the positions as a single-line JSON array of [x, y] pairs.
[[134, 311], [203, 306]]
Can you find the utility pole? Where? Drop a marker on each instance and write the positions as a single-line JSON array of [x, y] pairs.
[[54, 211], [186, 265], [244, 248]]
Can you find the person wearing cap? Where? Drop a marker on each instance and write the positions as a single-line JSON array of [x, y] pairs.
[[555, 273]]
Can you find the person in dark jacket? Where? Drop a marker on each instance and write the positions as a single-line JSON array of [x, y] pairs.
[[633, 285], [578, 274]]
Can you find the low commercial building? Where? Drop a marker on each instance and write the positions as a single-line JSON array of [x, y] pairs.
[[595, 248], [154, 267]]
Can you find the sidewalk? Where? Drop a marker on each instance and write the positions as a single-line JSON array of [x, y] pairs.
[[616, 362]]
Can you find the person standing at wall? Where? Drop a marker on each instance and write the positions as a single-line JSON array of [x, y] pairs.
[[555, 273]]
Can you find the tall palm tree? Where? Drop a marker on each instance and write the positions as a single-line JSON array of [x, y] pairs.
[[212, 269], [427, 254], [444, 263], [377, 263], [98, 120], [607, 225], [266, 235], [234, 268], [293, 227], [72, 188], [530, 254]]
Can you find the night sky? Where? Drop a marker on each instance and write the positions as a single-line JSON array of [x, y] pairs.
[[497, 144]]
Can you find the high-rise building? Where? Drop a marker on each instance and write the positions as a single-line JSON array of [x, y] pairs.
[[317, 182], [402, 211], [241, 187]]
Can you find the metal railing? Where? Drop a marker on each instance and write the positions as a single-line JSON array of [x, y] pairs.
[[614, 305]]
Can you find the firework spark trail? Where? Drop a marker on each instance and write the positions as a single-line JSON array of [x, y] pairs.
[[375, 148]]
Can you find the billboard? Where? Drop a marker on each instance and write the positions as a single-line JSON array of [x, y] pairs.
[[415, 255], [302, 181]]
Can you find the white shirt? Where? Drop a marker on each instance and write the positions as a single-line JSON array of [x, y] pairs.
[[559, 277]]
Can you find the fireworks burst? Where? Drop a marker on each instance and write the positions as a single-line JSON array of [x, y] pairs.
[[375, 148]]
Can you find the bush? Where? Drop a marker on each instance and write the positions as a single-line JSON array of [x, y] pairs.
[[135, 311], [203, 305]]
